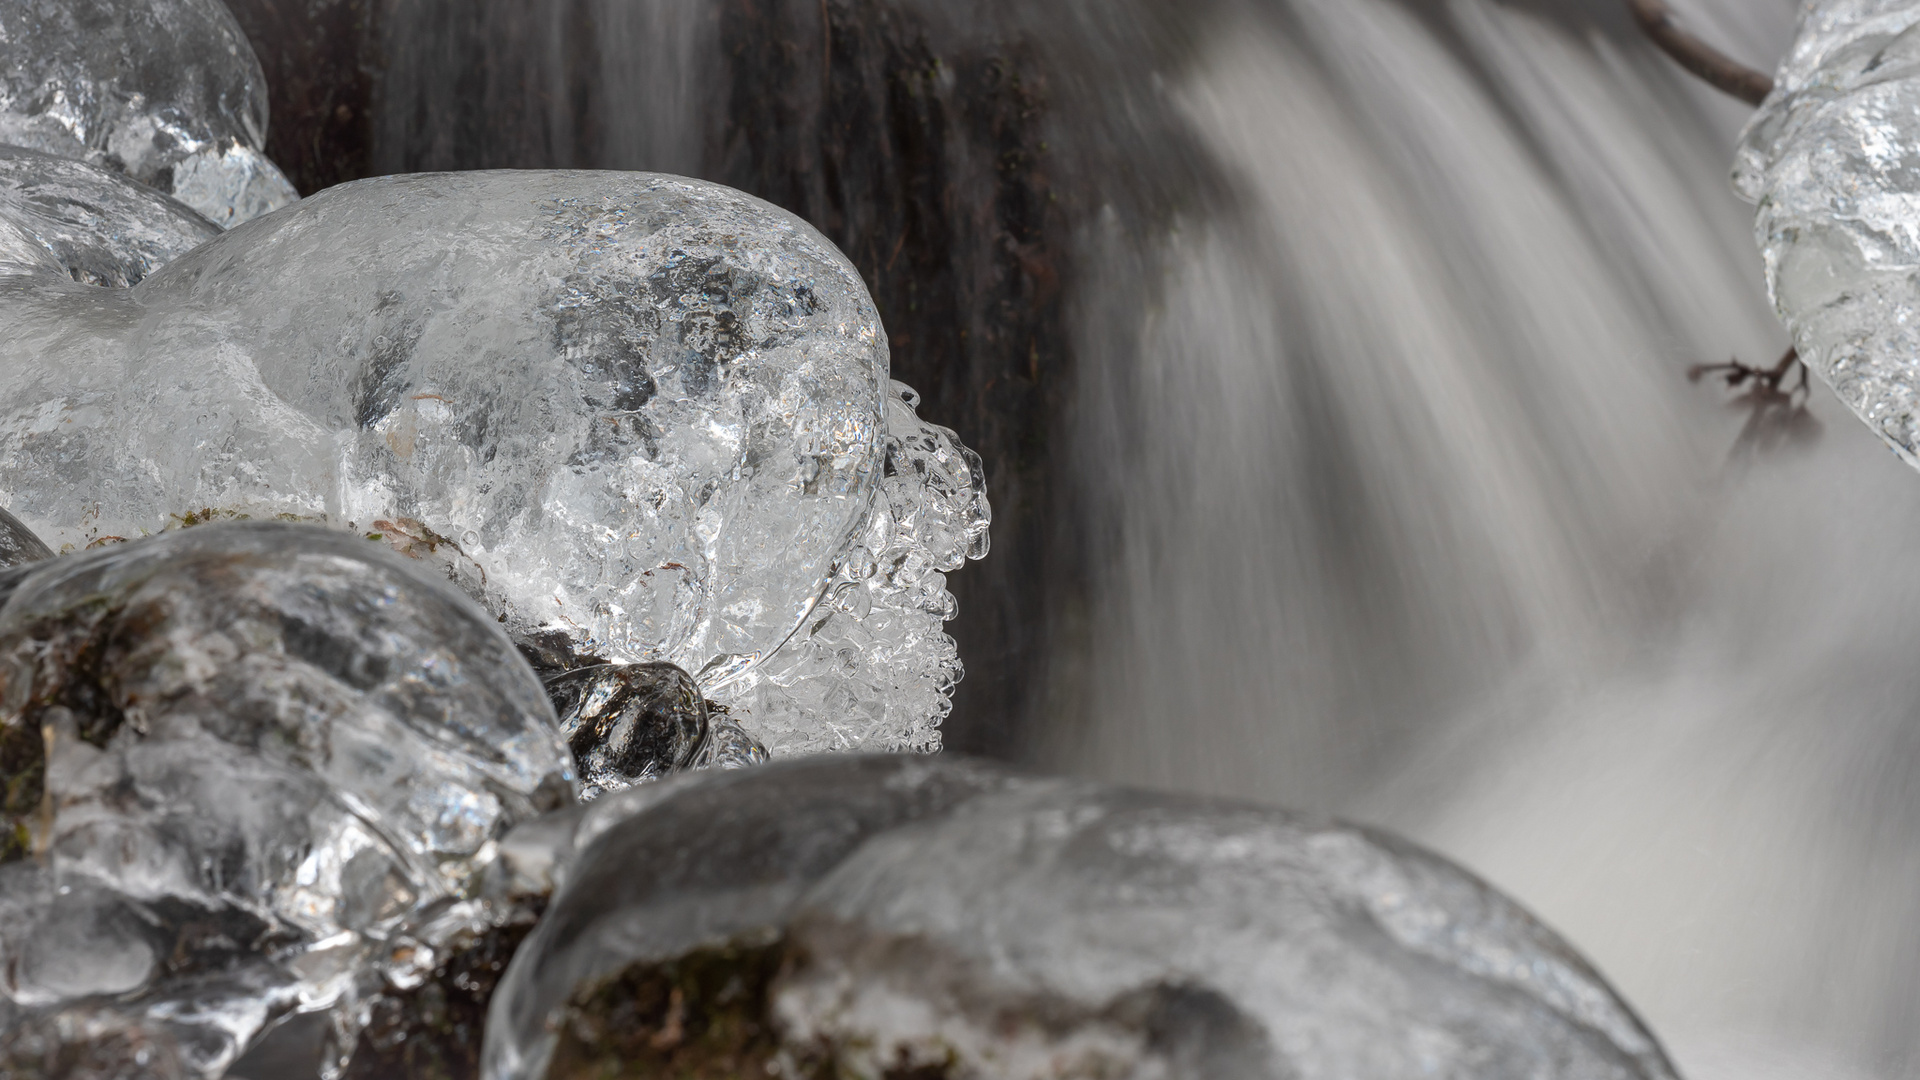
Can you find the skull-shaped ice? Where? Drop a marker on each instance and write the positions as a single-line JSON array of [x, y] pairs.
[[167, 91], [260, 768], [640, 414], [897, 916]]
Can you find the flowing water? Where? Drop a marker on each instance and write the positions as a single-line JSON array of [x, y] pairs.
[[1404, 509], [1377, 486]]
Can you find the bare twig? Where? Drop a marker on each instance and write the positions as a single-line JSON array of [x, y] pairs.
[[1721, 71], [1776, 409]]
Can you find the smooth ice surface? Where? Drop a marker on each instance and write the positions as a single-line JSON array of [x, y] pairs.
[[18, 545], [166, 91], [1833, 162], [946, 913], [277, 762], [85, 223], [648, 414]]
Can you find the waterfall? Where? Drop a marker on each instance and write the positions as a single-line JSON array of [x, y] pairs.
[[1402, 508]]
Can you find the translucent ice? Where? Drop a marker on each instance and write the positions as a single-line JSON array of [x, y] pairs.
[[868, 917], [1833, 161], [641, 418], [18, 545], [261, 769], [79, 221], [166, 91]]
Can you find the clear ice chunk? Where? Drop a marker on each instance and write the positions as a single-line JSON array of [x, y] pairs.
[[18, 545], [640, 418], [96, 227], [900, 916], [873, 669], [250, 770], [1832, 160], [628, 723], [168, 92]]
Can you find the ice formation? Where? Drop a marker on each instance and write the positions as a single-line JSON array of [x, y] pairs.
[[1833, 161], [18, 545], [868, 916], [640, 418], [166, 91], [81, 222], [252, 769]]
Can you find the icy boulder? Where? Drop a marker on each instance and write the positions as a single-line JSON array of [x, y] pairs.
[[938, 918], [642, 419], [1833, 161], [166, 91], [249, 770]]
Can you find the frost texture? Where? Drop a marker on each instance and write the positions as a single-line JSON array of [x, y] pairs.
[[647, 415], [872, 668], [82, 222], [946, 918], [1833, 161], [276, 765], [166, 91]]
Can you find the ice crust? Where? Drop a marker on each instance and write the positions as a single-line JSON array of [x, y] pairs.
[[947, 914], [168, 92], [1832, 160], [87, 224], [648, 414], [277, 764]]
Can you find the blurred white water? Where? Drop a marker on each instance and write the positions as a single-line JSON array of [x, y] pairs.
[[1403, 508]]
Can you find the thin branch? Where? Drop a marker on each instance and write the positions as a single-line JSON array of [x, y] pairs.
[[1776, 408], [1721, 71]]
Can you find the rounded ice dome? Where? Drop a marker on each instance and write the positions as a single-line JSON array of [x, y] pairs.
[[167, 92], [252, 769], [637, 413]]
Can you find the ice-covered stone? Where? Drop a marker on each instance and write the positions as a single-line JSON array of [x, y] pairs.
[[870, 917], [166, 91], [1833, 161], [96, 227], [261, 769], [644, 416]]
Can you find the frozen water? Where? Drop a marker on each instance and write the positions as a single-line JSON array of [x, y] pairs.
[[873, 669], [276, 764], [81, 222], [641, 418], [166, 91], [878, 916], [18, 545], [1833, 161], [629, 722]]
